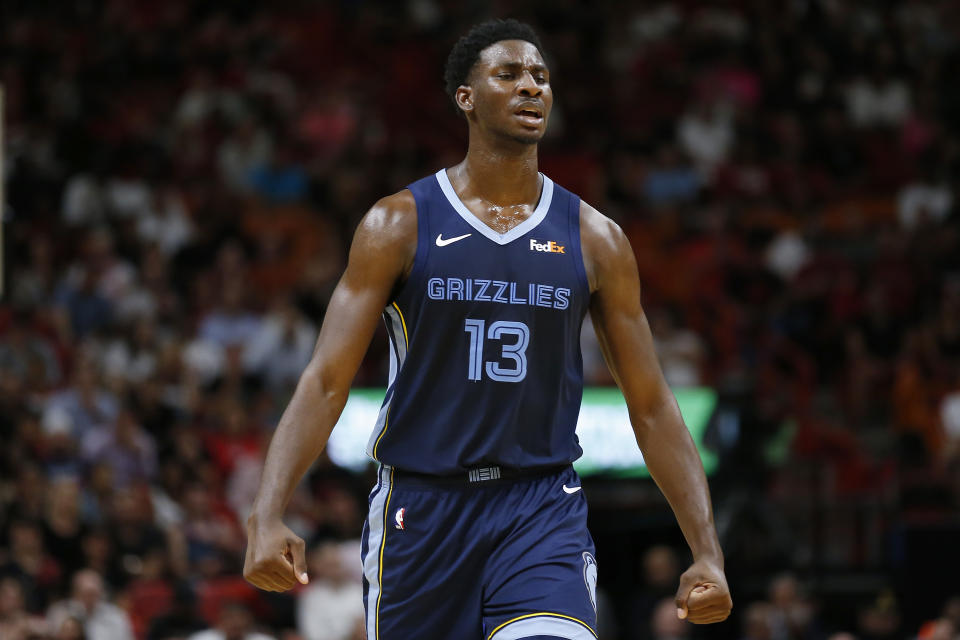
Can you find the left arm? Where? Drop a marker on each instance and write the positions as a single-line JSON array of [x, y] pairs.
[[668, 449]]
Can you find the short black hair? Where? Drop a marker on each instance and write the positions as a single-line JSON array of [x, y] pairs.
[[467, 49]]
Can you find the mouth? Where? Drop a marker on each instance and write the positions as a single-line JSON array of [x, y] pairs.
[[531, 115]]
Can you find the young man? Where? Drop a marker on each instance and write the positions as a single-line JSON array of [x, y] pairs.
[[483, 274]]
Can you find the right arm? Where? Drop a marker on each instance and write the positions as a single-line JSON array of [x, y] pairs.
[[381, 257]]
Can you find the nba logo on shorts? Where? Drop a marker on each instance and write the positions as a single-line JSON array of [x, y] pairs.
[[399, 518], [590, 577]]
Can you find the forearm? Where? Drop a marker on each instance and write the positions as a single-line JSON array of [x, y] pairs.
[[675, 466], [301, 435]]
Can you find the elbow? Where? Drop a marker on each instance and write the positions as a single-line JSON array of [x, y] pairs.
[[655, 415], [325, 383], [644, 425]]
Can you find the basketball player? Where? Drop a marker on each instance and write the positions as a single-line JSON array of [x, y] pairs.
[[483, 274]]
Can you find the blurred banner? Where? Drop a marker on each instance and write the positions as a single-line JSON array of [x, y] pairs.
[[603, 429]]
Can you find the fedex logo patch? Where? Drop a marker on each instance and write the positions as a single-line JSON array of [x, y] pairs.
[[546, 247]]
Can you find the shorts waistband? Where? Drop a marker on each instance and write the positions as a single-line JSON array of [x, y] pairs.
[[479, 476]]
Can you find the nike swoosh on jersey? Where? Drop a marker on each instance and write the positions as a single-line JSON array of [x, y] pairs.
[[567, 489], [442, 243]]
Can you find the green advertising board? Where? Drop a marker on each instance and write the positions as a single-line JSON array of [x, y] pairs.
[[603, 429]]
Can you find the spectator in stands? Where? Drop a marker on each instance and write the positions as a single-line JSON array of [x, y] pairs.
[[757, 622], [28, 354], [234, 623], [58, 448], [151, 593], [70, 629], [878, 98], [951, 611], [87, 405], [211, 533], [36, 280], [282, 178], [98, 553], [15, 622], [181, 620], [132, 357], [281, 347], [330, 606], [30, 564], [670, 180], [133, 533], [102, 620], [166, 222], [63, 529], [664, 623], [231, 323], [880, 619], [706, 134], [125, 448], [939, 629], [248, 146], [83, 201], [928, 200], [872, 345], [791, 614], [87, 308], [99, 263], [660, 572], [681, 351]]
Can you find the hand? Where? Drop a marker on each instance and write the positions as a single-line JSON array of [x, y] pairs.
[[703, 596], [276, 558]]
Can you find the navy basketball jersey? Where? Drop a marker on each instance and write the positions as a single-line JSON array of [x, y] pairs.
[[485, 364]]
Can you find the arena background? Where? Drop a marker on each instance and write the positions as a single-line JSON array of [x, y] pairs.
[[182, 182]]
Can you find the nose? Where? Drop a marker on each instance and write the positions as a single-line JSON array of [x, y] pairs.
[[528, 85]]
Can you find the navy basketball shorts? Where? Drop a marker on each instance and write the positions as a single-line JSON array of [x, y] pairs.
[[492, 559]]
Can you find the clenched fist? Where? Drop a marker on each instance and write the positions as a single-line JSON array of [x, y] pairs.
[[275, 559], [703, 596]]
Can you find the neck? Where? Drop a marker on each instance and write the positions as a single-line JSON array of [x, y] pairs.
[[501, 176]]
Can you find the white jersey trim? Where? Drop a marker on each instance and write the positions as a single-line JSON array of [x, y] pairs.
[[544, 625], [546, 197], [372, 563]]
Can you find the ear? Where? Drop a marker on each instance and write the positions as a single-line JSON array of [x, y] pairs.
[[464, 97]]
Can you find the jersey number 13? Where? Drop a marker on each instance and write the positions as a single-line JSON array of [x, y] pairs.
[[514, 338]]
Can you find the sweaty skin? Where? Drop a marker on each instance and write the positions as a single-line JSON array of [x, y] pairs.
[[498, 181]]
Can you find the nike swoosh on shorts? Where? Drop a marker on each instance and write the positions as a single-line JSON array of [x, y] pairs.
[[567, 489]]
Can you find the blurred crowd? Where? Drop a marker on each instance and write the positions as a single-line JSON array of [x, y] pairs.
[[787, 610], [182, 182]]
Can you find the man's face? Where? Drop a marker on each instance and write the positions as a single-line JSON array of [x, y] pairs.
[[234, 621], [509, 91], [88, 589]]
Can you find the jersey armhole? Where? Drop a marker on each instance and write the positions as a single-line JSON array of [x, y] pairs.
[[423, 243], [575, 237]]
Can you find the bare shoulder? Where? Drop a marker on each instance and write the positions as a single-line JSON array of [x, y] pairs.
[[385, 242], [605, 245], [392, 219]]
